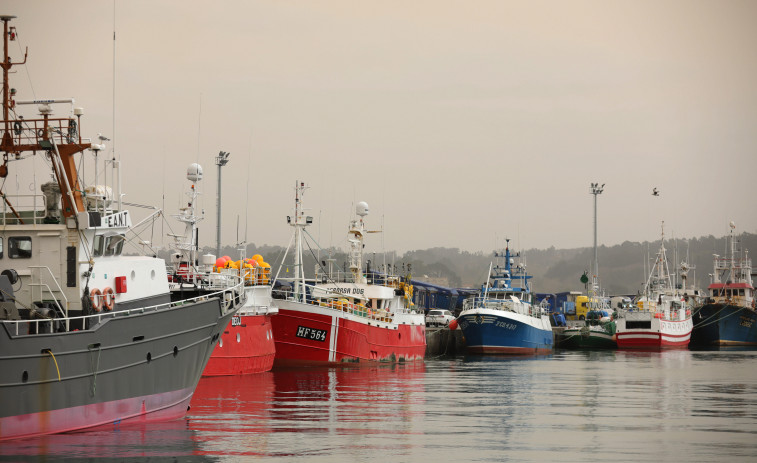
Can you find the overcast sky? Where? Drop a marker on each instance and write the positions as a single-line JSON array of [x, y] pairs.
[[459, 122]]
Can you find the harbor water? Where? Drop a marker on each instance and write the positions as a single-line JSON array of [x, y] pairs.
[[568, 406]]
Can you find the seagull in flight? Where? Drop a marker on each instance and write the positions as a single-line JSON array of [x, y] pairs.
[[655, 192]]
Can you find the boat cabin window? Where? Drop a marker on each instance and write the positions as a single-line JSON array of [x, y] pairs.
[[114, 245], [20, 247], [1, 248], [99, 245]]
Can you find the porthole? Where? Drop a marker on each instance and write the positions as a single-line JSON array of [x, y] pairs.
[[175, 351], [220, 342], [133, 275], [152, 274], [25, 376], [238, 337], [149, 357]]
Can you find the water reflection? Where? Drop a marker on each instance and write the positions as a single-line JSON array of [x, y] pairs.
[[309, 411], [568, 406], [170, 440]]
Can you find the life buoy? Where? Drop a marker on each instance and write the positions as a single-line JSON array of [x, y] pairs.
[[95, 296], [109, 298]]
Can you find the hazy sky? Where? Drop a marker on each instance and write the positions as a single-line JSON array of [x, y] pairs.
[[457, 121]]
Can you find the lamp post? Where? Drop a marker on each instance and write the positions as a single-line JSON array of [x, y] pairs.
[[596, 190], [221, 160]]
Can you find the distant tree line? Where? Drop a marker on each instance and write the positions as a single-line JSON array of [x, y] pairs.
[[623, 268]]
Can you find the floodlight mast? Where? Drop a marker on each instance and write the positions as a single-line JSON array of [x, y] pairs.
[[221, 160], [596, 190]]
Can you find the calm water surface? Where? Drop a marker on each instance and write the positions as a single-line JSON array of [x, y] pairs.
[[569, 406]]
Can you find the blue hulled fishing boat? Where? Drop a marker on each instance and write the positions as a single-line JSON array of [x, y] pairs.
[[728, 317], [502, 319]]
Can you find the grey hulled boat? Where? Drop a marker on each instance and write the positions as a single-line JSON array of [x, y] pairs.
[[88, 337]]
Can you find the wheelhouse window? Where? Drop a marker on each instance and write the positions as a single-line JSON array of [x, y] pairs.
[[114, 244], [20, 247], [99, 245]]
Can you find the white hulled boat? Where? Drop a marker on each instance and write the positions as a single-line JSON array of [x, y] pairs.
[[661, 317]]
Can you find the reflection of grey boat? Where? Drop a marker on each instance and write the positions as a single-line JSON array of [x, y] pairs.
[[88, 337]]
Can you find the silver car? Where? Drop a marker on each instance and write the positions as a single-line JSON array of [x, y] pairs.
[[438, 317]]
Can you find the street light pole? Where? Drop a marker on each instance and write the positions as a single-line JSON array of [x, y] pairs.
[[221, 160]]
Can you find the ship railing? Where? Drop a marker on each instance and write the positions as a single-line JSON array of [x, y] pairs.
[[338, 276], [32, 131], [339, 303], [230, 297], [43, 286], [22, 209], [724, 263], [218, 278], [506, 305]]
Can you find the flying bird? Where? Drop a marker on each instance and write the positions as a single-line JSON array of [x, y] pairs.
[[655, 192]]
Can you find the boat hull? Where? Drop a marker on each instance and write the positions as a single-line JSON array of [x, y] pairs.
[[659, 334], [489, 331], [583, 338], [246, 347], [142, 366], [310, 334], [724, 325]]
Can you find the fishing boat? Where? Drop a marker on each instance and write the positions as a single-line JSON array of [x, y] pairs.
[[591, 326], [89, 336], [596, 331], [728, 316], [503, 319], [343, 317], [661, 316], [246, 345]]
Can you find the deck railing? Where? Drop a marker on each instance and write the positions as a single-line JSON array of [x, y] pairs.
[[507, 305], [228, 296], [340, 303]]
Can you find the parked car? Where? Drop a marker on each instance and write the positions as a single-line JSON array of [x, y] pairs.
[[438, 317]]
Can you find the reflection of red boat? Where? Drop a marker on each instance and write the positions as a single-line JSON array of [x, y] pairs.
[[237, 415], [231, 414]]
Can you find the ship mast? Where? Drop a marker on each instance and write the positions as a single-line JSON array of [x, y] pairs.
[[59, 138], [299, 223]]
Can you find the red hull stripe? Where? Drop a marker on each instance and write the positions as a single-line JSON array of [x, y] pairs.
[[647, 340], [507, 350], [156, 407]]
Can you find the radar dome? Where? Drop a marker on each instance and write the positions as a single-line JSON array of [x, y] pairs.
[[194, 172], [362, 209]]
